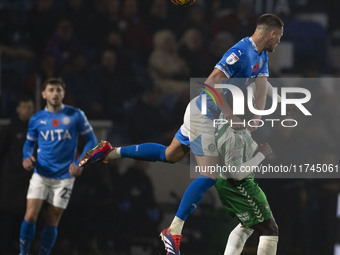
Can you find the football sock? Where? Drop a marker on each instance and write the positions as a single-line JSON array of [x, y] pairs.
[[237, 239], [48, 238], [144, 151], [191, 198], [176, 226], [27, 233], [267, 245]]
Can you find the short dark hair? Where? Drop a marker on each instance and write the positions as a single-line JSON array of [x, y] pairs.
[[270, 20], [53, 81]]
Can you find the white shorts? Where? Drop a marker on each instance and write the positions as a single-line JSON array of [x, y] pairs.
[[199, 130], [55, 191]]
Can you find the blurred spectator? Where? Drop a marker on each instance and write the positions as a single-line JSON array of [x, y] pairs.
[[150, 118], [41, 23], [104, 20], [158, 17], [170, 73], [62, 44], [45, 68], [139, 212], [220, 44], [134, 29], [310, 44], [78, 13], [238, 23], [112, 90], [14, 179], [77, 76], [194, 53]]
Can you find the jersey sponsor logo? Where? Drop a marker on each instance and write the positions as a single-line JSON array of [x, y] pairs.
[[232, 59], [56, 134], [65, 120], [256, 68], [55, 123]]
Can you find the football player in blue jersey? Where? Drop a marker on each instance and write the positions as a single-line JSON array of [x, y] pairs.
[[56, 130], [246, 59]]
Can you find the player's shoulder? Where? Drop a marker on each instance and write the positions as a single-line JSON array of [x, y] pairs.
[[240, 51], [38, 115], [71, 110]]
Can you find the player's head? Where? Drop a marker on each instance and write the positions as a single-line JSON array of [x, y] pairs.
[[53, 91], [270, 27], [25, 108]]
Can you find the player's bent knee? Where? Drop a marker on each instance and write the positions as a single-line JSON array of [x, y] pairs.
[[272, 229], [31, 218]]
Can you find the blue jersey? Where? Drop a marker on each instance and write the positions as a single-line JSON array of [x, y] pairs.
[[240, 61], [57, 137]]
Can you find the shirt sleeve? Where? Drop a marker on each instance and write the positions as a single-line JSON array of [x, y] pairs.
[[32, 133], [83, 124], [31, 138], [231, 62], [264, 69]]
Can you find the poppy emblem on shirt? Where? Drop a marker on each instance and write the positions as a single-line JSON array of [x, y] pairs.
[[256, 68], [55, 123]]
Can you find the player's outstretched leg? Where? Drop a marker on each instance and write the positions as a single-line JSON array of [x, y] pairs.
[[98, 153], [145, 151]]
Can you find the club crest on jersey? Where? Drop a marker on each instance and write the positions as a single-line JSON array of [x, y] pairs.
[[65, 120], [232, 59]]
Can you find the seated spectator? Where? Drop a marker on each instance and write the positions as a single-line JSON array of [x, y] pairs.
[[195, 54], [170, 73]]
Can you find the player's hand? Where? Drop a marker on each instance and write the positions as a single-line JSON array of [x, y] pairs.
[[235, 122], [265, 149], [75, 170], [28, 163]]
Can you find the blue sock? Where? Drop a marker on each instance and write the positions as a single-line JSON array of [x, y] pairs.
[[193, 196], [27, 233], [144, 151], [48, 237]]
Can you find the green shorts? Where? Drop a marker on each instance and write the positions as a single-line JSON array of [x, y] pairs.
[[245, 199]]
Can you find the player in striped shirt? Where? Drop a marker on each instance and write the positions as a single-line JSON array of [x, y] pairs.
[[240, 194]]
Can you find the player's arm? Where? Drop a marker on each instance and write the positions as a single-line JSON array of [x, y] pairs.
[[225, 108], [246, 168], [91, 141], [260, 94], [28, 160], [86, 131], [269, 90]]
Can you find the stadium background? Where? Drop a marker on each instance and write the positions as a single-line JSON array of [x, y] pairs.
[[127, 64]]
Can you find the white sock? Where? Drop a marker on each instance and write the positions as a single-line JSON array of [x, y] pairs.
[[114, 154], [237, 239], [267, 245], [176, 226]]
